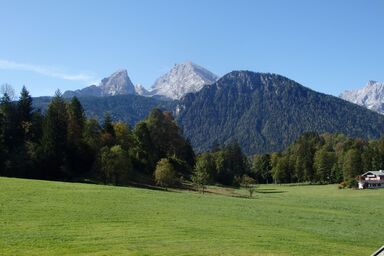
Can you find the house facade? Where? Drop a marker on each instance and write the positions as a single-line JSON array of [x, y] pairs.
[[372, 179]]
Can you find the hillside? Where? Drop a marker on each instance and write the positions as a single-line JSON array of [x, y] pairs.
[[266, 112], [128, 108], [56, 218]]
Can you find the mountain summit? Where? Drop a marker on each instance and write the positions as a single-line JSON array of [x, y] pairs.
[[182, 79], [370, 96], [118, 83]]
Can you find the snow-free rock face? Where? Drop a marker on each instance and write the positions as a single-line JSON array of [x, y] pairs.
[[182, 79], [371, 96], [140, 90], [118, 83]]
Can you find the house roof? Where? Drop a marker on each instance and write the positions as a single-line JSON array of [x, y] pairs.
[[377, 173]]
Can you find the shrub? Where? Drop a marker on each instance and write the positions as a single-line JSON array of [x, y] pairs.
[[343, 184], [352, 183]]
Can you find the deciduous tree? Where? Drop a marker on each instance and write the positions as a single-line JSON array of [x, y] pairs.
[[165, 174]]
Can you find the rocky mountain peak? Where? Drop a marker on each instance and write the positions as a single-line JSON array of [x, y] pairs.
[[370, 96], [182, 79], [116, 84], [371, 83]]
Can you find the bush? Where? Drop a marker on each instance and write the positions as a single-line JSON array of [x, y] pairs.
[[343, 185], [352, 183]]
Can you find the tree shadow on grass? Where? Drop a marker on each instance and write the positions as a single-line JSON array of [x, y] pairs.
[[154, 187], [269, 191], [228, 194]]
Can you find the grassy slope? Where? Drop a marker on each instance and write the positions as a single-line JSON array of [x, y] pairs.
[[52, 218]]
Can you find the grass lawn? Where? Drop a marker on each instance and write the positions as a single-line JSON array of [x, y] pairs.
[[55, 218]]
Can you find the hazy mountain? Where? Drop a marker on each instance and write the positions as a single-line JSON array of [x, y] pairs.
[[90, 91], [128, 108], [267, 112], [370, 96], [118, 83], [182, 79]]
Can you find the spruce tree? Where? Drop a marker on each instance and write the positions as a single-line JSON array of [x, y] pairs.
[[80, 155], [24, 106], [54, 140], [76, 120]]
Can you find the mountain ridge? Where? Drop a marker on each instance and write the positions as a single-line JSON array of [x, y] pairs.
[[118, 83], [183, 78]]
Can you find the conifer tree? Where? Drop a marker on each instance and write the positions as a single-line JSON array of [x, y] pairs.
[[54, 140], [76, 120]]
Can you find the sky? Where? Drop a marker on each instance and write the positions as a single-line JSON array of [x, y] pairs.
[[326, 45]]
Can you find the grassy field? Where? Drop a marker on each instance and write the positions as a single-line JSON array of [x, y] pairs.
[[53, 218]]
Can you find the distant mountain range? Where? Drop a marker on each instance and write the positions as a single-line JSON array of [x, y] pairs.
[[263, 112], [180, 80], [370, 96]]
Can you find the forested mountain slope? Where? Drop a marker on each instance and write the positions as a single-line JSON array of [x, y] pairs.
[[266, 112]]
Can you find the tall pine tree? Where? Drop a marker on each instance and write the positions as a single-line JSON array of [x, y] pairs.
[[54, 140]]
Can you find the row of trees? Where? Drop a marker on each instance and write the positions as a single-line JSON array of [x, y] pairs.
[[326, 158], [62, 144]]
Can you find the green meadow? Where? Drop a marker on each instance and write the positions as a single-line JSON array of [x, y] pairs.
[[57, 218]]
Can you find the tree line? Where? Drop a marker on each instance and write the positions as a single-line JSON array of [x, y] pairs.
[[320, 158], [63, 144]]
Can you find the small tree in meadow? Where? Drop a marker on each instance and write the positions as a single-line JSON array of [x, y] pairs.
[[249, 184], [200, 175], [165, 174]]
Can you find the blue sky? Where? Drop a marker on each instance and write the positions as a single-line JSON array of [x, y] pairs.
[[329, 46]]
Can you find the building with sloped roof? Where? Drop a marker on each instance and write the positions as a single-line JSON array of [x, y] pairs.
[[371, 179]]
